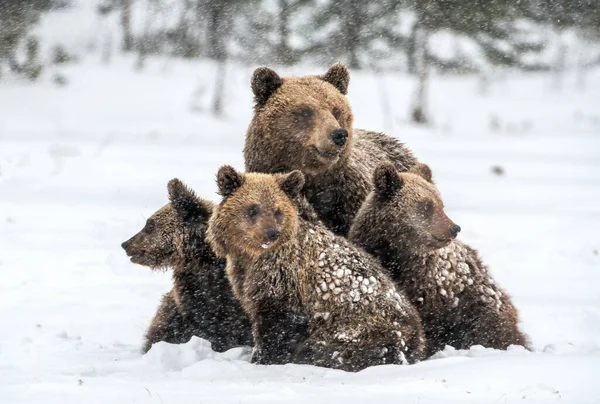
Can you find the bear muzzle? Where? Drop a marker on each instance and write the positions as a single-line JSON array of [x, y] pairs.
[[331, 146], [134, 253], [272, 236], [125, 244], [339, 137], [454, 230]]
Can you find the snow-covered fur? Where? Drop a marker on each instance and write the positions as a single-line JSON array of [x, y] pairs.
[[305, 123], [403, 223], [201, 302], [312, 296]]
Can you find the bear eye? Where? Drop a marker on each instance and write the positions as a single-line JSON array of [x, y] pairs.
[[306, 112], [336, 113], [150, 226], [253, 211], [427, 207], [278, 213]]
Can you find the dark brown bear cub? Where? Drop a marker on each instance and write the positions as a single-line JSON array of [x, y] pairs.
[[403, 223], [201, 302], [312, 296], [305, 123]]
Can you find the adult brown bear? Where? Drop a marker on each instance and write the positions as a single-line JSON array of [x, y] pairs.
[[305, 123]]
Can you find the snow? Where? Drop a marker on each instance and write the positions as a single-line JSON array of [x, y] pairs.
[[81, 166]]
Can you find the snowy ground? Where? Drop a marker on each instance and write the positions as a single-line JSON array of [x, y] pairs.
[[81, 166]]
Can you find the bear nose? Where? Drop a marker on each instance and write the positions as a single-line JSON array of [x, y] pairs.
[[125, 244], [339, 137], [454, 230], [273, 234]]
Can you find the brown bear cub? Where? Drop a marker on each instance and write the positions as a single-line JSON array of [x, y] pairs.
[[312, 297], [305, 123], [201, 302], [403, 223]]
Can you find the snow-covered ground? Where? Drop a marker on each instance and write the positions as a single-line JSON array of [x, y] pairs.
[[81, 166]]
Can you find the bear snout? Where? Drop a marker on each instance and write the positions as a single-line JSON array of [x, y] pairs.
[[273, 234], [339, 137], [454, 230], [125, 244]]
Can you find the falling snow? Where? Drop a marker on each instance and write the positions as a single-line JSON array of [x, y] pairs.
[[515, 155]]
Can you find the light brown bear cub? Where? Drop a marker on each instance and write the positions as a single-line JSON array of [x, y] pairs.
[[201, 302], [305, 123], [312, 296], [403, 223]]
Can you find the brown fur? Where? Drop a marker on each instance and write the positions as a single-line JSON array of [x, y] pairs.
[[201, 302], [294, 118], [403, 223], [312, 296]]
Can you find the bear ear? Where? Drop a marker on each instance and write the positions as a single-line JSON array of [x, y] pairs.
[[339, 76], [229, 180], [291, 183], [386, 180], [264, 83], [185, 202], [423, 171]]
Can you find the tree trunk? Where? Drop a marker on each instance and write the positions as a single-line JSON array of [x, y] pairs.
[[353, 63], [560, 66], [352, 21], [419, 112], [386, 106], [217, 107], [216, 32], [351, 44], [141, 59], [411, 53], [126, 25], [581, 72], [283, 50], [107, 47]]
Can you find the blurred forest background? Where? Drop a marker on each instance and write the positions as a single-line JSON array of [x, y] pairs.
[[411, 36]]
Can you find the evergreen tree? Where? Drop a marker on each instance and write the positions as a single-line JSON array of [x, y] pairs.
[[17, 18], [491, 24], [583, 15], [265, 35], [218, 18], [126, 25], [347, 30]]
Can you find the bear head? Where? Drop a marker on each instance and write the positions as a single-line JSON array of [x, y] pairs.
[[299, 123], [174, 232], [257, 213], [404, 210]]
